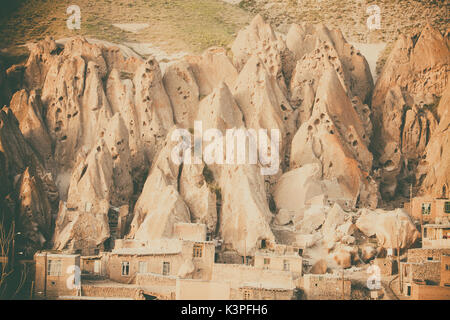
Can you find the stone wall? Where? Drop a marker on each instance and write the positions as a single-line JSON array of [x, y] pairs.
[[260, 294], [326, 287], [153, 279], [238, 274], [189, 289], [54, 285], [386, 265], [445, 270], [276, 262], [423, 271], [424, 292], [111, 292], [420, 255]]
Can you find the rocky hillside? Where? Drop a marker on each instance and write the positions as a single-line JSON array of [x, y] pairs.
[[397, 17], [85, 142]]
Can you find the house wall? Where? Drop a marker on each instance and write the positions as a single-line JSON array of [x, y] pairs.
[[88, 265], [445, 270], [425, 292], [386, 265], [153, 279], [439, 243], [427, 270], [424, 254], [189, 289], [154, 265], [53, 286], [249, 293], [111, 292], [203, 265], [437, 208], [277, 263], [326, 287], [238, 274]]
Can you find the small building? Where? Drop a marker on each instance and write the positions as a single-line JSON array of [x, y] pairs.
[[445, 270], [92, 265], [428, 209], [261, 291], [55, 274], [426, 274], [386, 265], [249, 283], [326, 287], [426, 254], [163, 256], [286, 262], [436, 236]]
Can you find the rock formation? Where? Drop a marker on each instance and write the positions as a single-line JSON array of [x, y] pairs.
[[413, 78], [98, 121]]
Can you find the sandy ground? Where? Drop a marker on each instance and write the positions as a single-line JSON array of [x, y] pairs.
[[131, 27], [232, 1]]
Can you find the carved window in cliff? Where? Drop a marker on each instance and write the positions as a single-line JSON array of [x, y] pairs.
[[166, 268], [125, 268], [426, 208], [197, 250], [263, 244], [447, 207], [54, 268]]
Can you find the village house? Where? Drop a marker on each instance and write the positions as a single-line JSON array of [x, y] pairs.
[[250, 283], [436, 236], [326, 287], [386, 265], [55, 274], [425, 274], [92, 265], [164, 257], [429, 210]]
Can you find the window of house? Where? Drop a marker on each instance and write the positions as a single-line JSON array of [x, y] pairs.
[[97, 266], [266, 263], [286, 266], [166, 268], [198, 250], [447, 207], [208, 237], [142, 266], [125, 268], [426, 208], [247, 294], [447, 267], [54, 267]]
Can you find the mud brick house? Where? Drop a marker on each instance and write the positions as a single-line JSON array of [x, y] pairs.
[[55, 274]]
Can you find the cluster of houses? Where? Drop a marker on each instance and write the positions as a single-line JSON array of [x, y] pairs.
[[191, 265], [186, 266]]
